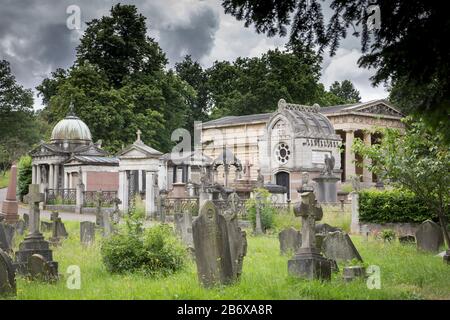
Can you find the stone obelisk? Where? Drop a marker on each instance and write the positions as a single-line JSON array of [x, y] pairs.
[[10, 207]]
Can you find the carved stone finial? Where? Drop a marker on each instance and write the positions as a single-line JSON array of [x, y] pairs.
[[138, 134], [281, 104]]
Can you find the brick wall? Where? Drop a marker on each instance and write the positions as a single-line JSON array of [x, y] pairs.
[[107, 181]]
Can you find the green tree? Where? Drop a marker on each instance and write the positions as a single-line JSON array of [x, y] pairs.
[[119, 46], [407, 45], [24, 172], [254, 85], [345, 91], [418, 160], [18, 127]]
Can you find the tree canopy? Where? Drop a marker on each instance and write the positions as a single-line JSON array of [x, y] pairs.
[[345, 91], [405, 41]]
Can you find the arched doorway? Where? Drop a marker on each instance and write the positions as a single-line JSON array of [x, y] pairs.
[[282, 179]]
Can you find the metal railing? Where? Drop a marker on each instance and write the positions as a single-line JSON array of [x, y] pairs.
[[60, 196], [180, 205], [90, 198]]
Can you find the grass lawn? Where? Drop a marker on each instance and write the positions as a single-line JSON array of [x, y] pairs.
[[405, 274], [4, 179]]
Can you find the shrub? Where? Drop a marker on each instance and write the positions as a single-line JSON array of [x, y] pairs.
[[24, 172], [387, 235], [154, 251], [267, 210], [396, 205]]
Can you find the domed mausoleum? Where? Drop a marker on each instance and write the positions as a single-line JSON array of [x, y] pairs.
[[71, 158]]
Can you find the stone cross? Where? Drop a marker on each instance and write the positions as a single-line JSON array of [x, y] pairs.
[[248, 166], [34, 197], [234, 201], [258, 205], [310, 212], [138, 134]]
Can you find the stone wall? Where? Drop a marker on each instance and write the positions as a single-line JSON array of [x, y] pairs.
[[106, 181]]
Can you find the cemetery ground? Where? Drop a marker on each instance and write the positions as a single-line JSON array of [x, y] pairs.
[[405, 273]]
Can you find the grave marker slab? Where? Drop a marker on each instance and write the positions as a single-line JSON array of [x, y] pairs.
[[290, 240], [338, 246], [87, 232], [429, 236], [41, 269], [237, 239], [7, 276], [183, 228]]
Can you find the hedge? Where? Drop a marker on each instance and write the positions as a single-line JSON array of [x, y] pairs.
[[391, 206]]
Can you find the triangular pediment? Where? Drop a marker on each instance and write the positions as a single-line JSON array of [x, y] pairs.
[[44, 149], [379, 108], [139, 150]]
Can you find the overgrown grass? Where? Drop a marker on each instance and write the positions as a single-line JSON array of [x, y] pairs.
[[405, 274], [4, 179]]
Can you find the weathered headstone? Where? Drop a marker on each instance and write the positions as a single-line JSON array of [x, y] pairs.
[[58, 229], [429, 236], [290, 240], [258, 222], [352, 272], [308, 262], [46, 226], [40, 269], [338, 246], [407, 239], [7, 232], [183, 228], [98, 212], [237, 239], [87, 232], [7, 276], [107, 224], [324, 228], [212, 249], [34, 242], [26, 219], [20, 227]]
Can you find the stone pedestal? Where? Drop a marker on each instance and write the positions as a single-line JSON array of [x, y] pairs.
[[179, 190], [33, 244], [310, 264], [326, 188], [10, 207]]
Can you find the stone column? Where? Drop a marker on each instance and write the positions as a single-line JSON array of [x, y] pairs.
[[123, 190], [140, 182], [349, 155], [367, 175], [33, 174], [50, 176], [150, 193], [66, 180], [56, 176], [38, 174]]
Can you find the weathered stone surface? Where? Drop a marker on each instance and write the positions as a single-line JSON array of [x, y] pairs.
[[324, 228], [6, 236], [407, 239], [290, 240], [308, 263], [338, 246], [429, 236], [46, 226], [10, 207], [212, 249], [20, 227], [352, 272], [183, 228], [7, 276], [40, 269], [238, 243], [26, 219], [87, 232]]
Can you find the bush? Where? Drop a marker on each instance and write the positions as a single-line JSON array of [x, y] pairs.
[[267, 210], [390, 206], [24, 173], [387, 235], [154, 251]]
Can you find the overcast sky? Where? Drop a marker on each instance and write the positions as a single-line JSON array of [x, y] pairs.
[[34, 38]]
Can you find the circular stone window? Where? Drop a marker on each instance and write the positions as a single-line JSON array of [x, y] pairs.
[[282, 153]]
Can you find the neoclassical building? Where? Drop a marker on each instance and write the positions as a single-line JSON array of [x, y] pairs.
[[71, 157], [295, 138]]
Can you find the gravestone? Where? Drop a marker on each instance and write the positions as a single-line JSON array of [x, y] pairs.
[[98, 212], [407, 239], [34, 242], [6, 236], [338, 246], [237, 239], [212, 248], [352, 272], [20, 227], [429, 236], [41, 269], [46, 226], [324, 228], [58, 229], [308, 262], [183, 228], [258, 222], [87, 232], [107, 224], [290, 240], [7, 276]]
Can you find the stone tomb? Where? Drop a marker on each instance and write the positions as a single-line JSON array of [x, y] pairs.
[[183, 228], [87, 232], [34, 242], [338, 246], [429, 236], [7, 276], [212, 248]]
